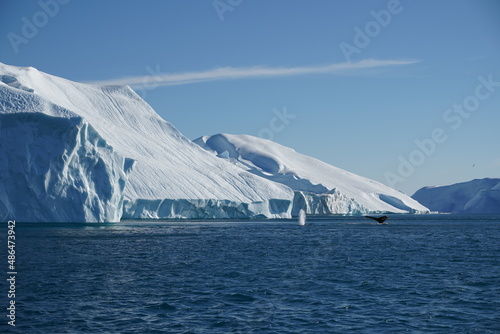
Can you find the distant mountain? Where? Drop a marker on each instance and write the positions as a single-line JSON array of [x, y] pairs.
[[319, 188], [476, 196]]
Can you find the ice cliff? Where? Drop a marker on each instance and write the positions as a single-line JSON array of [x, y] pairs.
[[476, 196], [58, 169]]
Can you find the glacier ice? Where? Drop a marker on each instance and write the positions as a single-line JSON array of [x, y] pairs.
[[58, 169], [325, 204], [476, 196], [167, 166], [205, 209], [319, 188], [82, 152]]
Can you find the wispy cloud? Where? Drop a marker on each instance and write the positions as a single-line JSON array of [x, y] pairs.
[[227, 73]]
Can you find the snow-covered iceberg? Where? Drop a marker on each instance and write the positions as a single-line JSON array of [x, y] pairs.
[[476, 196], [78, 152], [319, 188], [81, 152]]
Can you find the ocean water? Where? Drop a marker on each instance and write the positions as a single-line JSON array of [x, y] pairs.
[[415, 274]]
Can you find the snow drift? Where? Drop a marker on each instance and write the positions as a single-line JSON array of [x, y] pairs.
[[319, 188], [476, 196], [74, 147]]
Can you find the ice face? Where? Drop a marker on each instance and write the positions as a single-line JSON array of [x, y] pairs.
[[59, 170], [476, 196]]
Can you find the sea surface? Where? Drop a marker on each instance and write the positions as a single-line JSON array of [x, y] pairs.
[[414, 274]]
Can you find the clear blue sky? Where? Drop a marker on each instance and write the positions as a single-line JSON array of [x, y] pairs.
[[257, 57]]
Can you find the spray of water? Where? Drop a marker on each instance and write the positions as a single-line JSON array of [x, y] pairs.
[[302, 217]]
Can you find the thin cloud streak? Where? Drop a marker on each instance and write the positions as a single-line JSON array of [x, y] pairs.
[[227, 73]]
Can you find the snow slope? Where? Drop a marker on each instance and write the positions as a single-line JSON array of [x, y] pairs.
[[320, 188], [171, 176], [476, 196]]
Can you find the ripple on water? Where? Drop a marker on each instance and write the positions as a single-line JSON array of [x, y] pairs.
[[436, 276]]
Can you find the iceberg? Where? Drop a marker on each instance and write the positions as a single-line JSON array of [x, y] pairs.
[[476, 196], [82, 153], [319, 188], [75, 152]]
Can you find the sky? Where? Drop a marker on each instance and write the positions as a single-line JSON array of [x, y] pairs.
[[403, 92]]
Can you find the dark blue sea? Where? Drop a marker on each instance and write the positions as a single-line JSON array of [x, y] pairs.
[[415, 274]]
